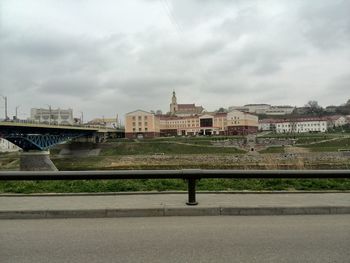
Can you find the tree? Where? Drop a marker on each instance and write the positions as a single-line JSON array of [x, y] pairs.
[[313, 108], [221, 110], [312, 104]]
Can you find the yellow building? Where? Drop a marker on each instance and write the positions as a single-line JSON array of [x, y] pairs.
[[141, 124], [188, 119], [240, 123], [145, 124]]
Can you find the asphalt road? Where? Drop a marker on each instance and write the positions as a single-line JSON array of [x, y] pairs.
[[319, 238]]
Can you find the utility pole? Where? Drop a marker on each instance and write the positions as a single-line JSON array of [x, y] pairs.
[[6, 116], [82, 118], [5, 98], [17, 110]]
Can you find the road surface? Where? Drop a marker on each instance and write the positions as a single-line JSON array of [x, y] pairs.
[[321, 238]]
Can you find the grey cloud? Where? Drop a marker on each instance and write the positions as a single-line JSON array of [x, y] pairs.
[[74, 85], [242, 51], [326, 24], [65, 63], [340, 85], [195, 12], [256, 59], [204, 50], [150, 86], [246, 22]]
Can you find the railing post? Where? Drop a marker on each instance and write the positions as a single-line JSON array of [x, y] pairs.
[[191, 191]]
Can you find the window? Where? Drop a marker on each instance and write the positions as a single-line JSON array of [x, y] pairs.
[[133, 124], [146, 129], [146, 123], [133, 129], [206, 122], [140, 123], [133, 118], [139, 129], [140, 118]]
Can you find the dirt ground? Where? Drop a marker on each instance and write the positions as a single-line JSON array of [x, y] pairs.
[[293, 149]]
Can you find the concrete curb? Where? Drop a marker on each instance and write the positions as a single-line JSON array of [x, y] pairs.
[[174, 211], [173, 192]]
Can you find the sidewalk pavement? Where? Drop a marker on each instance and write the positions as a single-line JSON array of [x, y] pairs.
[[171, 204]]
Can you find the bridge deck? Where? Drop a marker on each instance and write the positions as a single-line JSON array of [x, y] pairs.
[[63, 127]]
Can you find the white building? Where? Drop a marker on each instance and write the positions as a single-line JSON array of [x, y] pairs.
[[264, 109], [336, 121], [52, 116], [279, 110], [251, 108], [302, 125], [105, 122], [6, 146], [267, 125]]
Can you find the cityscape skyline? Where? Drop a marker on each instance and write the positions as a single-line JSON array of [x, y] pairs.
[[78, 114]]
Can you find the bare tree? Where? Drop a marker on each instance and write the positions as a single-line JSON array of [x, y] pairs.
[[314, 108]]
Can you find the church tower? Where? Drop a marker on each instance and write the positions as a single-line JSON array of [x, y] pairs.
[[173, 104]]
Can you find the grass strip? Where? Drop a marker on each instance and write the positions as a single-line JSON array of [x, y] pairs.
[[92, 186]]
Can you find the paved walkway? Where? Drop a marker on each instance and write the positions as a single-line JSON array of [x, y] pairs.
[[173, 204]]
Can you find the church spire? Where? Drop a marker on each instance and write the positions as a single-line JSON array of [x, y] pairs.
[[173, 104], [173, 99]]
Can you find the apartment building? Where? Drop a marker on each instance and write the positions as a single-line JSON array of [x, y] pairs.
[[264, 109], [52, 116], [141, 124], [206, 124], [267, 125], [188, 120], [301, 125], [240, 123], [315, 124], [336, 121], [252, 108], [6, 146], [279, 110], [105, 122], [231, 123]]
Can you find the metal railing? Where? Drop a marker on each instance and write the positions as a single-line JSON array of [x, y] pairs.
[[191, 175]]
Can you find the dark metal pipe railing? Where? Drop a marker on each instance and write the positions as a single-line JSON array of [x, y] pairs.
[[191, 175]]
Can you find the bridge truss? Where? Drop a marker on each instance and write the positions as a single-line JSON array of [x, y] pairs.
[[40, 141], [40, 138]]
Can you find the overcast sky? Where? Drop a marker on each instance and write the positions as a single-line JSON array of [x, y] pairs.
[[104, 57]]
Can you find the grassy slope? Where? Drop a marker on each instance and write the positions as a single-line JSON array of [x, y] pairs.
[[329, 146], [156, 147], [274, 149], [173, 146]]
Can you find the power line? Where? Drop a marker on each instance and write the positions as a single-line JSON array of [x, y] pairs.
[[170, 16], [173, 16]]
